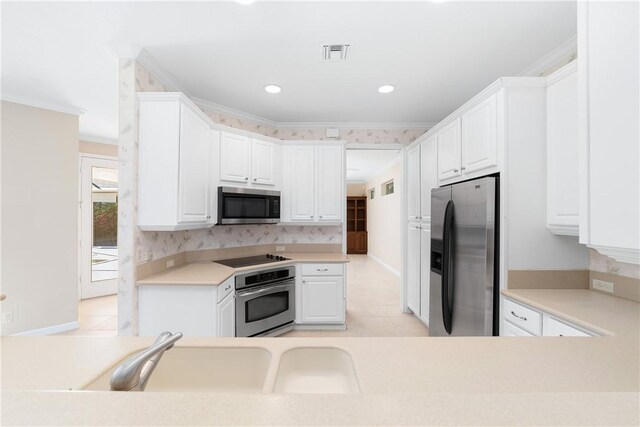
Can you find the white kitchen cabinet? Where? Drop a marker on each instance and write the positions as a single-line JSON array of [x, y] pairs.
[[413, 268], [313, 183], [175, 164], [562, 152], [609, 136], [320, 294], [449, 146], [428, 174], [480, 136], [330, 171], [511, 330], [554, 328], [226, 316], [425, 270], [235, 158], [413, 183], [263, 162]]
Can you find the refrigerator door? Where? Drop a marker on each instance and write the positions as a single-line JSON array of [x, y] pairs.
[[473, 264], [440, 198]]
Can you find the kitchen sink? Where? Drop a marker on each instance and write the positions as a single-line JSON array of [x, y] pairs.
[[316, 370], [223, 369]]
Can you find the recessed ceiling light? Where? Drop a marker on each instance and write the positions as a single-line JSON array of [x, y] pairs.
[[272, 89], [386, 89], [245, 2]]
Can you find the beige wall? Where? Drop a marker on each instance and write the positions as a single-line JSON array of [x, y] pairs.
[[100, 149], [39, 217], [384, 218], [356, 189]]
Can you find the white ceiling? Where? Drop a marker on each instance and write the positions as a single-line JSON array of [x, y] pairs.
[[436, 54], [362, 165]]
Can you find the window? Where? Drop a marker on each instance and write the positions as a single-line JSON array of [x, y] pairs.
[[387, 188], [372, 193]]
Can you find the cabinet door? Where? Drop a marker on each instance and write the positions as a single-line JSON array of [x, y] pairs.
[[322, 300], [226, 317], [413, 183], [449, 151], [425, 271], [413, 273], [329, 183], [480, 136], [263, 168], [214, 173], [235, 157], [362, 242], [428, 174], [195, 157], [510, 330], [555, 328], [562, 156], [302, 185]]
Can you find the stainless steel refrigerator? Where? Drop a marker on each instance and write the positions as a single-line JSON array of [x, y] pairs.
[[463, 297]]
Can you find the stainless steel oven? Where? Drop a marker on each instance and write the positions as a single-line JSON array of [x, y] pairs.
[[248, 206], [265, 302]]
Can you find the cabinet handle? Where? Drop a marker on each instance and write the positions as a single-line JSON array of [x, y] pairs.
[[227, 288], [320, 217], [209, 217], [463, 168], [304, 281], [519, 317], [455, 170], [322, 269], [255, 179], [246, 178], [310, 216]]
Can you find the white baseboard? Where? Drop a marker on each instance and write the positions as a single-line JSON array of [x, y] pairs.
[[385, 265], [49, 330]]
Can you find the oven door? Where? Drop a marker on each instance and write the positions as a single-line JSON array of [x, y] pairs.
[[263, 308]]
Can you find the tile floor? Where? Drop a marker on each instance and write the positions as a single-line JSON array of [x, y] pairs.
[[373, 308]]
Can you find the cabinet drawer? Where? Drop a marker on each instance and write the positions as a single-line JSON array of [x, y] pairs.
[[225, 288], [523, 317], [322, 269], [510, 330], [554, 328]]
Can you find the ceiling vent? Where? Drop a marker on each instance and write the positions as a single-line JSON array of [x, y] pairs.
[[335, 52]]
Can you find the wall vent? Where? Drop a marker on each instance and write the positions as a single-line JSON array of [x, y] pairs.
[[335, 52]]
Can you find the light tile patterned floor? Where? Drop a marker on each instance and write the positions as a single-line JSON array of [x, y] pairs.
[[373, 308]]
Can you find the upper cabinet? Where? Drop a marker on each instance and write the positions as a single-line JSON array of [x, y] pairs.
[[313, 183], [449, 159], [480, 136], [177, 162], [609, 136], [247, 160], [413, 183], [428, 174], [562, 152]]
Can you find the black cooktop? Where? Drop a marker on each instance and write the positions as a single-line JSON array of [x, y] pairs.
[[251, 260]]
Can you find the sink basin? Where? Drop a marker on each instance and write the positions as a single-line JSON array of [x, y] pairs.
[[316, 370], [240, 369]]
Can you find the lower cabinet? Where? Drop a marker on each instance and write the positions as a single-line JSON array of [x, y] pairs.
[[425, 271], [197, 311], [521, 320], [413, 268], [320, 298]]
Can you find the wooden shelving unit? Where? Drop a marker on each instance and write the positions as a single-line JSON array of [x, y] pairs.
[[357, 225]]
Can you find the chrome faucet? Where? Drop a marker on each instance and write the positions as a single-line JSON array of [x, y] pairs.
[[133, 373]]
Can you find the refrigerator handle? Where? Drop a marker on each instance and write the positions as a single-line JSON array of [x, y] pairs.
[[447, 267]]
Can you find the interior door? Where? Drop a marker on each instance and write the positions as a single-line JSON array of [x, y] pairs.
[[98, 227]]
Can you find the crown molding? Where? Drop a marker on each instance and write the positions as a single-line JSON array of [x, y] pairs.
[[217, 108], [561, 73], [97, 139], [46, 105], [552, 58]]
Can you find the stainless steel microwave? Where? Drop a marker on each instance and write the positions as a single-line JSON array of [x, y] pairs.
[[248, 206]]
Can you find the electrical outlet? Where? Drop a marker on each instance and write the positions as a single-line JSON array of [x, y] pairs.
[[280, 248], [171, 262], [7, 317], [601, 285]]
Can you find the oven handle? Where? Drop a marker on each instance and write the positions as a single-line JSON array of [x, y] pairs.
[[262, 290]]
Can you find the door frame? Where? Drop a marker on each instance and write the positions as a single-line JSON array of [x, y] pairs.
[[109, 161]]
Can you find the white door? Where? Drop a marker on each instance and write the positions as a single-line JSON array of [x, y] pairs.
[[480, 136], [235, 157], [413, 183], [425, 271], [428, 175], [413, 271], [329, 183], [449, 151], [562, 156], [98, 227], [195, 156], [303, 183], [263, 169], [226, 317], [322, 300]]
